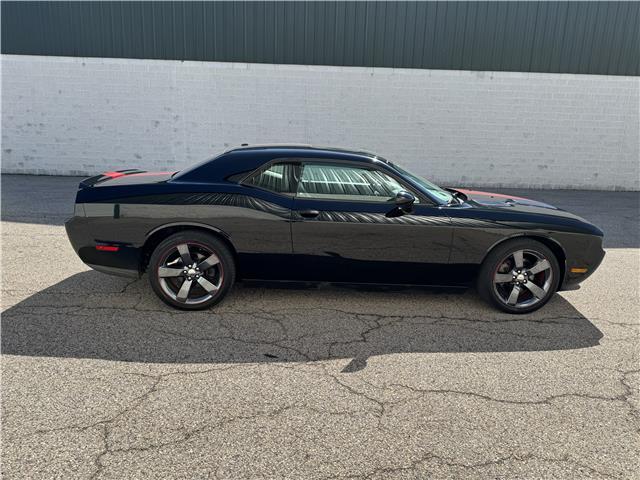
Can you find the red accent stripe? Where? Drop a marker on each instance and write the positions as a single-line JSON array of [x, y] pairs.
[[497, 195], [147, 174], [113, 174], [107, 248]]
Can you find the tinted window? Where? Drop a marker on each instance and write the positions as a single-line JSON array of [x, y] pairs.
[[337, 182], [278, 178]]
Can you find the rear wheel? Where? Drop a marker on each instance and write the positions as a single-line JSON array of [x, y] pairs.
[[191, 270], [519, 276]]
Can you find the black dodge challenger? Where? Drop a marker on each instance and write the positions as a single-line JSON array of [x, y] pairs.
[[302, 213]]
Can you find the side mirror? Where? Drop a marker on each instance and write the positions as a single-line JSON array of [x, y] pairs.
[[404, 200]]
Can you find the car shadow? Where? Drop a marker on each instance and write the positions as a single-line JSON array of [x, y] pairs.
[[91, 315]]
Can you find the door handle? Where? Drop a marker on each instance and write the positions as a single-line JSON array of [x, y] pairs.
[[308, 213]]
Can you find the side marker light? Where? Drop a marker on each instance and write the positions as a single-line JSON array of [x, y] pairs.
[[107, 248]]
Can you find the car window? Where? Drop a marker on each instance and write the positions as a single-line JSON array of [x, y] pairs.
[[277, 178], [435, 190], [338, 182]]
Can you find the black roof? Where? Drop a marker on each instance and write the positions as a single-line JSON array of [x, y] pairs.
[[246, 158], [304, 147]]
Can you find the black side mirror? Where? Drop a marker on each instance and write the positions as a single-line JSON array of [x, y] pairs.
[[405, 200]]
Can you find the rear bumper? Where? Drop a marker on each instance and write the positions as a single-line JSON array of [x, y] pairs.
[[120, 272], [123, 262]]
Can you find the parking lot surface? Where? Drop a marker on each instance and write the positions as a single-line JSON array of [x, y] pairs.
[[102, 380]]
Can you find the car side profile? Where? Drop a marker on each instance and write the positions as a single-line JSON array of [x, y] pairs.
[[303, 213]]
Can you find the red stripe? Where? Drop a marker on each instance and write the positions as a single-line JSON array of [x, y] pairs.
[[113, 174], [498, 195], [146, 174]]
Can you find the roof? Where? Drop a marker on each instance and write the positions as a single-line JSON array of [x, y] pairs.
[[246, 158], [303, 146]]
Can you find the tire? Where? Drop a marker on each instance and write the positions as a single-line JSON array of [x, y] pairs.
[[180, 258], [519, 276]]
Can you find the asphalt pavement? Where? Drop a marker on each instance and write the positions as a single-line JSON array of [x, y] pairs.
[[102, 380]]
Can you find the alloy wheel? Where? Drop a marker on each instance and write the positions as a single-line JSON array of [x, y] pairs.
[[523, 278], [190, 273]]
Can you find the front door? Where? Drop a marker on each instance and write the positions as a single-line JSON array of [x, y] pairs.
[[346, 227]]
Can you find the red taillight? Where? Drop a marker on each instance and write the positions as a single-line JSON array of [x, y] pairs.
[[107, 248]]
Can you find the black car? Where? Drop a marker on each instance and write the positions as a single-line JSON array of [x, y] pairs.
[[302, 213]]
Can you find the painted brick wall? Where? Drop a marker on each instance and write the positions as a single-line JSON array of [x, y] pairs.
[[77, 116]]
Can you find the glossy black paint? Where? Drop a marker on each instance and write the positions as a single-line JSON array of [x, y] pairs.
[[283, 237]]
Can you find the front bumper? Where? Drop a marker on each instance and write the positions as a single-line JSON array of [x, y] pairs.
[[584, 260]]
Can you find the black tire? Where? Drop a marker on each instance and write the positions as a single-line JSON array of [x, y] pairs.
[[208, 284], [499, 282]]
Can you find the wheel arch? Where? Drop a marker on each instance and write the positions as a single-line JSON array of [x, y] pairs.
[[548, 242], [158, 234]]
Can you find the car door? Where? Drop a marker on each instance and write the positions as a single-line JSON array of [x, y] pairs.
[[346, 227]]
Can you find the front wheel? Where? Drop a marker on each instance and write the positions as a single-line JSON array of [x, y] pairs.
[[519, 276], [191, 270]]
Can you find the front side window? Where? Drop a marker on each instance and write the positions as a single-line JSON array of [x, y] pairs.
[[338, 182], [277, 178]]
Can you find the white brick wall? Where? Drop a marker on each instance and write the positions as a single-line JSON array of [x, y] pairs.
[[82, 116]]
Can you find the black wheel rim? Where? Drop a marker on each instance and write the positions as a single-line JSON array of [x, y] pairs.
[[523, 278], [190, 273]]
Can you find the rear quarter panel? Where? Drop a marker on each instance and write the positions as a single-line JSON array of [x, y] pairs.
[[256, 222]]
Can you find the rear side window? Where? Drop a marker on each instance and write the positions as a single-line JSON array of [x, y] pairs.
[[278, 178]]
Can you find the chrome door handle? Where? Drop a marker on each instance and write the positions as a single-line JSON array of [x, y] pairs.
[[308, 213]]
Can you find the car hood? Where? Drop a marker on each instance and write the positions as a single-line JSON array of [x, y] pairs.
[[500, 200], [526, 206]]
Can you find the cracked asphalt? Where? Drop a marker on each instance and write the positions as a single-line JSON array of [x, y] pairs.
[[101, 380]]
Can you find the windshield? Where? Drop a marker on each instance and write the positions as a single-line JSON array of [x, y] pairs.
[[440, 193]]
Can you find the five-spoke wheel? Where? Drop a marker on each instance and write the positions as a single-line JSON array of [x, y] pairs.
[[519, 276], [191, 270]]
